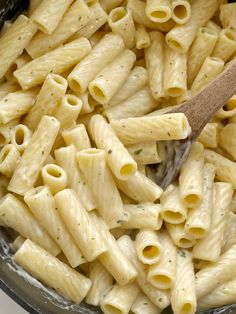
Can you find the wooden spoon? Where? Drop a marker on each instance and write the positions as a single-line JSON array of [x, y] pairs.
[[199, 110]]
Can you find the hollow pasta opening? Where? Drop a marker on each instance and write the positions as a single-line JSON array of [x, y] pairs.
[[180, 12], [231, 104], [4, 153], [151, 251], [186, 309], [98, 93], [192, 199], [230, 35], [126, 170], [175, 91], [159, 14], [54, 171], [162, 281], [174, 44], [58, 80], [185, 243], [108, 308], [3, 140], [197, 232], [171, 216], [75, 85], [118, 15], [72, 101], [19, 136]]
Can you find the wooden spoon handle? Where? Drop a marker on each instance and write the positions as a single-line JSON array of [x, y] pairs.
[[201, 108]]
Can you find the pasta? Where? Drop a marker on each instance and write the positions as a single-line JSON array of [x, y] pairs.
[[158, 11], [27, 170], [108, 48], [55, 61], [181, 11], [54, 177], [56, 274], [142, 305], [209, 135], [43, 207], [227, 15], [47, 15], [121, 22], [145, 153], [9, 158], [226, 45], [179, 236], [161, 128], [227, 140], [74, 19], [20, 137], [108, 81], [121, 163], [14, 40], [77, 136], [93, 165], [142, 37]]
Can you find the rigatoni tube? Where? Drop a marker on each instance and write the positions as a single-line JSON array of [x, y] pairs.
[[108, 48], [9, 158], [158, 11], [181, 11], [121, 22], [112, 77], [27, 171], [77, 136], [43, 207], [16, 215], [55, 61], [120, 161], [225, 45], [79, 223], [159, 128], [62, 278], [54, 177], [93, 164], [20, 137]]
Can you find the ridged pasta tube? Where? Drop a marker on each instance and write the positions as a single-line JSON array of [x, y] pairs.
[[136, 105], [93, 165], [140, 188], [112, 301], [6, 130], [175, 73], [158, 11], [53, 88], [216, 274], [201, 48], [109, 80], [191, 177], [27, 170], [65, 157], [148, 246], [221, 296], [209, 135], [209, 248], [145, 153], [110, 4], [199, 220], [136, 80], [108, 48], [181, 37], [14, 40], [142, 305], [15, 105], [183, 296], [227, 15], [154, 58], [102, 282], [77, 136], [121, 22], [62, 278], [47, 15], [20, 137], [226, 45], [75, 18], [158, 297], [162, 274], [120, 161], [54, 177], [228, 110], [78, 221], [210, 69], [9, 158], [159, 128], [117, 263], [179, 236], [55, 61], [142, 37], [17, 216], [173, 210], [8, 87], [43, 207], [181, 11], [17, 243], [224, 167], [68, 110], [227, 139]]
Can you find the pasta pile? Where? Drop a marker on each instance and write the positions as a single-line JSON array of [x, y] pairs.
[[85, 91]]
